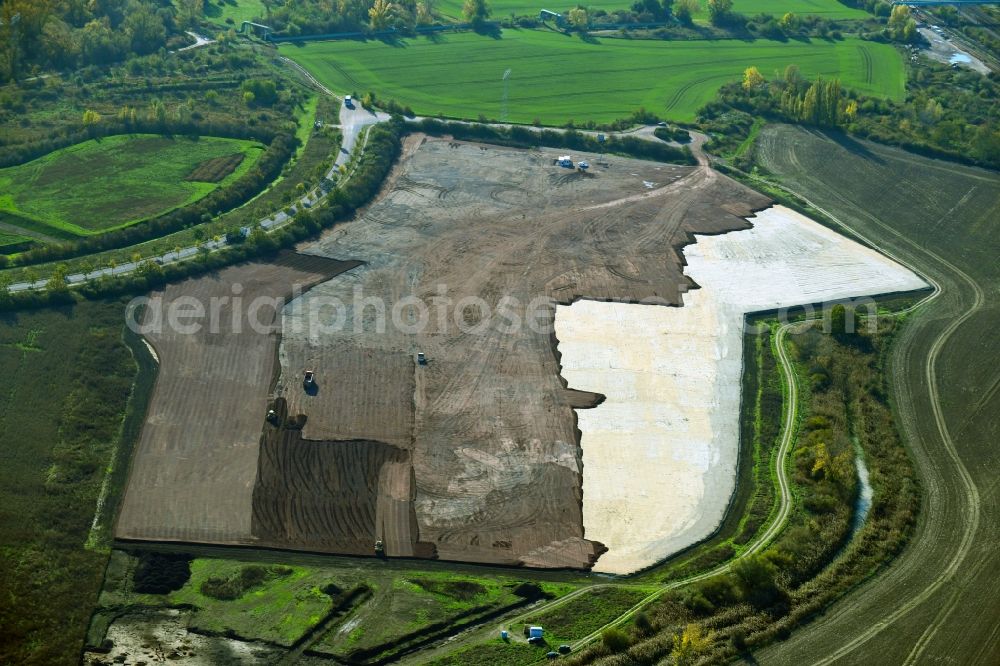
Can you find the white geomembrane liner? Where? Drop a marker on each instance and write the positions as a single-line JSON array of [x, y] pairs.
[[660, 454]]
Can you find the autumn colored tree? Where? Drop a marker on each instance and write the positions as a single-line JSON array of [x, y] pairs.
[[752, 78], [690, 644], [476, 11], [379, 14], [720, 12], [685, 10]]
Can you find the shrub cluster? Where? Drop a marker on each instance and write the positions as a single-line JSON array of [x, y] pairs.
[[523, 137], [161, 573], [371, 169], [676, 134]]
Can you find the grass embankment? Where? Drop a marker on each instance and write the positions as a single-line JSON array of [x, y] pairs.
[[12, 242], [584, 614], [104, 184], [233, 12], [556, 78], [271, 603], [378, 611], [65, 379], [421, 608]]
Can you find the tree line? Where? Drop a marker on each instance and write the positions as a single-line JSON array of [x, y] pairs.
[[67, 34], [523, 137], [373, 165]]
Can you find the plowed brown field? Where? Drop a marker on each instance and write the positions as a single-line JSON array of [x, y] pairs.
[[473, 456], [194, 467]]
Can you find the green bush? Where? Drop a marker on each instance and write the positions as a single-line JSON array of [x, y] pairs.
[[615, 640]]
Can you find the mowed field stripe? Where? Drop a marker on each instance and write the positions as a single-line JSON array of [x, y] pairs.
[[556, 77]]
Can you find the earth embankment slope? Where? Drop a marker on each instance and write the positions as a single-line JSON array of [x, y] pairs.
[[660, 455]]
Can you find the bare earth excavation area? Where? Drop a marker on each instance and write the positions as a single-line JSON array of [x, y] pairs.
[[473, 453]]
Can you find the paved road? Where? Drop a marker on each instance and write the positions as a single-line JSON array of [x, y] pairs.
[[198, 41], [352, 122]]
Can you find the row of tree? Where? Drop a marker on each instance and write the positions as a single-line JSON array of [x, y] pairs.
[[381, 150], [523, 137], [814, 103], [948, 113]]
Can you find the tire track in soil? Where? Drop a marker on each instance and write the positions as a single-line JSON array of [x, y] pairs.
[[911, 563], [866, 59]]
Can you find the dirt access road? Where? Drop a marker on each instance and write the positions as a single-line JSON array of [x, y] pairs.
[[937, 601]]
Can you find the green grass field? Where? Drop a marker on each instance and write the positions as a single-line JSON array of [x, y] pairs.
[[237, 10], [831, 9], [556, 78], [584, 614], [103, 184], [8, 240]]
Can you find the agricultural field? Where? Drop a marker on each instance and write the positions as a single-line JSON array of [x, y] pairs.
[[191, 472], [940, 218], [556, 78], [452, 9], [828, 9], [65, 379], [107, 183], [832, 9]]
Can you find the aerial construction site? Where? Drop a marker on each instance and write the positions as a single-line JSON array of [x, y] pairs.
[[509, 362]]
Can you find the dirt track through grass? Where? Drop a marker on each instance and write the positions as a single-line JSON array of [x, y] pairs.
[[937, 217]]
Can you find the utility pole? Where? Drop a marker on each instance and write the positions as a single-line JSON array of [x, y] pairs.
[[503, 101]]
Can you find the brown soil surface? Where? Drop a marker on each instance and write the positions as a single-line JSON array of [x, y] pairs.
[[330, 496], [194, 467], [475, 455]]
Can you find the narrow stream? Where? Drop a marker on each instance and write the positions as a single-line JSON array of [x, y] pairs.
[[864, 500]]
